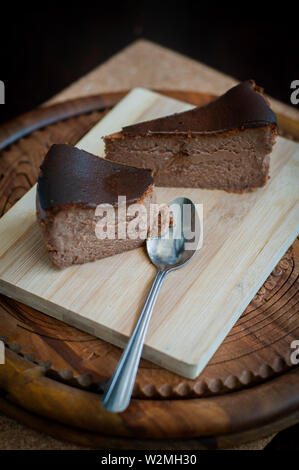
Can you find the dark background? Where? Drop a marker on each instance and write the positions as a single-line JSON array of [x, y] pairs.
[[48, 46]]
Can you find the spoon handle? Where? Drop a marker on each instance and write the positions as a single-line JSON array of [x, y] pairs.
[[118, 391]]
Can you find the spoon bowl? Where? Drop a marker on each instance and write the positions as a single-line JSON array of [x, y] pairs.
[[179, 244]]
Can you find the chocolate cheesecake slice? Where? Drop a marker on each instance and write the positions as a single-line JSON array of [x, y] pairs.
[[71, 185], [222, 145]]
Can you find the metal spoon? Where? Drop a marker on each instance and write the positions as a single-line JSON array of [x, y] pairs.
[[167, 252]]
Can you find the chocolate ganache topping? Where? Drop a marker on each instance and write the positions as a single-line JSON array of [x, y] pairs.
[[243, 106], [70, 176]]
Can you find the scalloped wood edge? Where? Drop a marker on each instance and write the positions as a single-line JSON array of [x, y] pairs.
[[199, 389], [166, 419]]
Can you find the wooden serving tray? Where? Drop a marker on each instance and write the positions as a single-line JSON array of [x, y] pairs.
[[245, 235], [248, 389]]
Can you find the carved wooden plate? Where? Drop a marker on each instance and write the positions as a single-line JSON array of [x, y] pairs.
[[256, 350]]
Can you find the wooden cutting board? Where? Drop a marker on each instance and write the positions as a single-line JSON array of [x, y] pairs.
[[244, 237]]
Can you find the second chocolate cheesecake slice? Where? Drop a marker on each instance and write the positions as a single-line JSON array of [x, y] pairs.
[[222, 145], [71, 185]]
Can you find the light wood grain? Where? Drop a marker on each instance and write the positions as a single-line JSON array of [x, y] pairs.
[[244, 237]]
